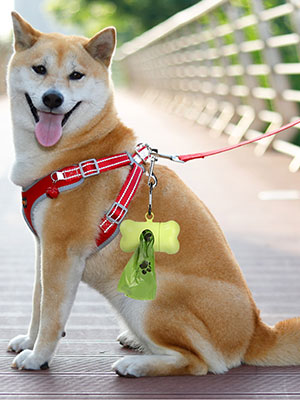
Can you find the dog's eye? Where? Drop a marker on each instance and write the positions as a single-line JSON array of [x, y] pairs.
[[39, 69], [75, 76]]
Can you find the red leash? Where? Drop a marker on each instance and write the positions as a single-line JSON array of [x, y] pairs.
[[188, 157]]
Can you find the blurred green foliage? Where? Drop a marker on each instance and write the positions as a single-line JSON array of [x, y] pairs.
[[130, 17]]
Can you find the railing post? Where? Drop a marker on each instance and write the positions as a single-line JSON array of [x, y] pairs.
[[227, 102], [287, 109], [246, 60]]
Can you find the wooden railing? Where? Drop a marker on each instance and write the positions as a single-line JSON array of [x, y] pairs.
[[230, 65]]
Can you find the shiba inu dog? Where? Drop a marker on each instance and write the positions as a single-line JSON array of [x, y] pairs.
[[204, 317]]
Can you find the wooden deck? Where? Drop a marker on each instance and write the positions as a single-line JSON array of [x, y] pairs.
[[264, 235]]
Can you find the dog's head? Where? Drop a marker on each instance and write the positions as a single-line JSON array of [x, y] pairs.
[[58, 84]]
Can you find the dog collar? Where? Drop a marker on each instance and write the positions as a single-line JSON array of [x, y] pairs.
[[70, 177]]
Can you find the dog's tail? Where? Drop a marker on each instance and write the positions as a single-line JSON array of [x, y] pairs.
[[275, 346]]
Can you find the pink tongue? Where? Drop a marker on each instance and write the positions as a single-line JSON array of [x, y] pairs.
[[48, 130]]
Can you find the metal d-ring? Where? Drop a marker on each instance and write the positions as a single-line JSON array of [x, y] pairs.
[[59, 176]]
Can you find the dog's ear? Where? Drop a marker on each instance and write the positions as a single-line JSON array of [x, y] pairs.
[[24, 35], [102, 45]]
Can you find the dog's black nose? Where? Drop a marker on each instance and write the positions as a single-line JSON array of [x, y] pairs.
[[53, 99]]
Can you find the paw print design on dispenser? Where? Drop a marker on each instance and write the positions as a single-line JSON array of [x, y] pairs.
[[145, 267]]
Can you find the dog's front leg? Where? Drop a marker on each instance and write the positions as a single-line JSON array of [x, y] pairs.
[[61, 273], [22, 342]]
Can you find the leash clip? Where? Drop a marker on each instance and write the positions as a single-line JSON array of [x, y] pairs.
[[155, 153], [152, 182]]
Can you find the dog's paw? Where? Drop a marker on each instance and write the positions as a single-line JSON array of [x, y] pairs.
[[20, 343], [130, 367], [28, 360], [129, 341]]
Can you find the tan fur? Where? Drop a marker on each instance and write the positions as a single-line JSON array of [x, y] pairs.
[[204, 317]]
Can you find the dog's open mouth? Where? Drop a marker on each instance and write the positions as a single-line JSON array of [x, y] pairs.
[[48, 128]]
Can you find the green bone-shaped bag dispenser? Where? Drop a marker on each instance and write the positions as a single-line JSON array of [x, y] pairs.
[[165, 235], [138, 279]]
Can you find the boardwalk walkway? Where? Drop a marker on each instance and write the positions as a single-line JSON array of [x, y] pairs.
[[264, 235]]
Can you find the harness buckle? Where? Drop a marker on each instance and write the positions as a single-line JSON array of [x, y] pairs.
[[143, 152], [112, 210], [88, 173]]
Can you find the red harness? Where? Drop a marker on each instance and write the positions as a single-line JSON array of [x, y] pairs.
[[70, 177]]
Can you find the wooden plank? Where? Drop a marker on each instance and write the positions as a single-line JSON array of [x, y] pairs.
[[275, 12], [287, 69], [283, 40], [258, 69]]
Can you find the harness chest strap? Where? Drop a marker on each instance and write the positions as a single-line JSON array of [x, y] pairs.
[[70, 177]]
